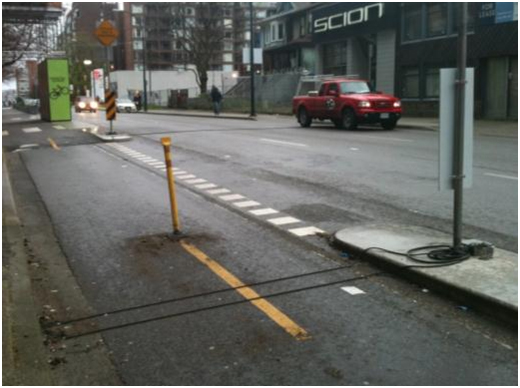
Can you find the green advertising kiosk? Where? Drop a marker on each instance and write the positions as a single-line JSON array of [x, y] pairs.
[[53, 81]]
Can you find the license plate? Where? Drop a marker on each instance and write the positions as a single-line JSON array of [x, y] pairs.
[[385, 115]]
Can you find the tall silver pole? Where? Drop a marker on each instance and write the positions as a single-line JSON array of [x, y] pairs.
[[251, 60], [458, 149], [144, 96]]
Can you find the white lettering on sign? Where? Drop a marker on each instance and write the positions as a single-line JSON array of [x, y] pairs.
[[349, 18]]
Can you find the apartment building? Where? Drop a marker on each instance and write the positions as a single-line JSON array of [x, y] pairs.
[[152, 32]]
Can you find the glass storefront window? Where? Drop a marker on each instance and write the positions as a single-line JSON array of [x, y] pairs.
[[335, 58], [411, 83], [432, 82], [412, 22], [437, 20]]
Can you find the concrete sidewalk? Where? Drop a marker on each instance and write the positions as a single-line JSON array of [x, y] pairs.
[[490, 286], [200, 113], [500, 128]]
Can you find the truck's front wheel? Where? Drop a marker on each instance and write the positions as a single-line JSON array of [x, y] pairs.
[[349, 119], [303, 117]]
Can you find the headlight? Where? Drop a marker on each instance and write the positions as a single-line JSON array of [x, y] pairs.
[[397, 104], [93, 105], [364, 104], [82, 105]]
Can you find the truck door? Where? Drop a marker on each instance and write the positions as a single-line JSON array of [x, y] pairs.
[[329, 101]]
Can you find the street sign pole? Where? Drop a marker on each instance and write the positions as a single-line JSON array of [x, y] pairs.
[[106, 33], [458, 144]]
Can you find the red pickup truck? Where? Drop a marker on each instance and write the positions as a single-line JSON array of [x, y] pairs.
[[347, 103]]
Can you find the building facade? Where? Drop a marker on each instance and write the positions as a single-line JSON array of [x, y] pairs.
[[400, 48], [152, 29], [428, 42], [83, 50], [287, 39]]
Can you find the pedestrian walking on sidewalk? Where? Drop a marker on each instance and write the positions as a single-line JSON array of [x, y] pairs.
[[137, 100], [216, 97]]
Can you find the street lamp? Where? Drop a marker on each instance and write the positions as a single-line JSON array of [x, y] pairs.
[[86, 62]]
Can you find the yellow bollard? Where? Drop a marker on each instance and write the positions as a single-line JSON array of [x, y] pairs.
[[166, 142]]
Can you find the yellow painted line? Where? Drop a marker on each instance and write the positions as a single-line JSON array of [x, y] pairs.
[[263, 305], [53, 144]]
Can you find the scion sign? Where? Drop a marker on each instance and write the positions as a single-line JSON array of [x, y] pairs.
[[334, 21], [349, 18]]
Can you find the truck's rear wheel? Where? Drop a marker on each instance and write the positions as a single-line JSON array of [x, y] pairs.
[[349, 120], [303, 117]]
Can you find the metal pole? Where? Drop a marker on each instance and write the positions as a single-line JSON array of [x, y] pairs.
[[145, 98], [458, 149], [251, 60]]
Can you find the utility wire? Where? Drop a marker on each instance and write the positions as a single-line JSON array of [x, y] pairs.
[[194, 311], [174, 300]]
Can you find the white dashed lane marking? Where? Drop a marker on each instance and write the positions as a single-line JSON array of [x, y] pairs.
[[501, 176], [283, 142], [190, 176], [283, 220], [5, 133], [306, 231], [231, 197], [31, 130], [263, 212], [194, 181], [218, 191], [238, 200], [246, 204], [206, 186], [353, 290]]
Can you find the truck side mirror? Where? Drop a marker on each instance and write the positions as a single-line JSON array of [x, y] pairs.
[[333, 93], [313, 93]]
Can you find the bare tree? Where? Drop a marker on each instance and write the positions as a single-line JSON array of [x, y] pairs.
[[22, 39], [17, 39], [198, 31]]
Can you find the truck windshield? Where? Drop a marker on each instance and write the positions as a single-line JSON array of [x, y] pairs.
[[354, 87]]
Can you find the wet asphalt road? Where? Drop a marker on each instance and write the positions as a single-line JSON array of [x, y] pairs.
[[111, 214], [335, 177]]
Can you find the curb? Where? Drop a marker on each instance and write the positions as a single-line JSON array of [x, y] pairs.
[[495, 309], [112, 138], [417, 126], [201, 116]]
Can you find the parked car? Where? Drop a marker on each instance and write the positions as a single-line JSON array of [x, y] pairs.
[[83, 103], [125, 105], [347, 103]]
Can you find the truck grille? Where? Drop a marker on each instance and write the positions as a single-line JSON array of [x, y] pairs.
[[383, 104]]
